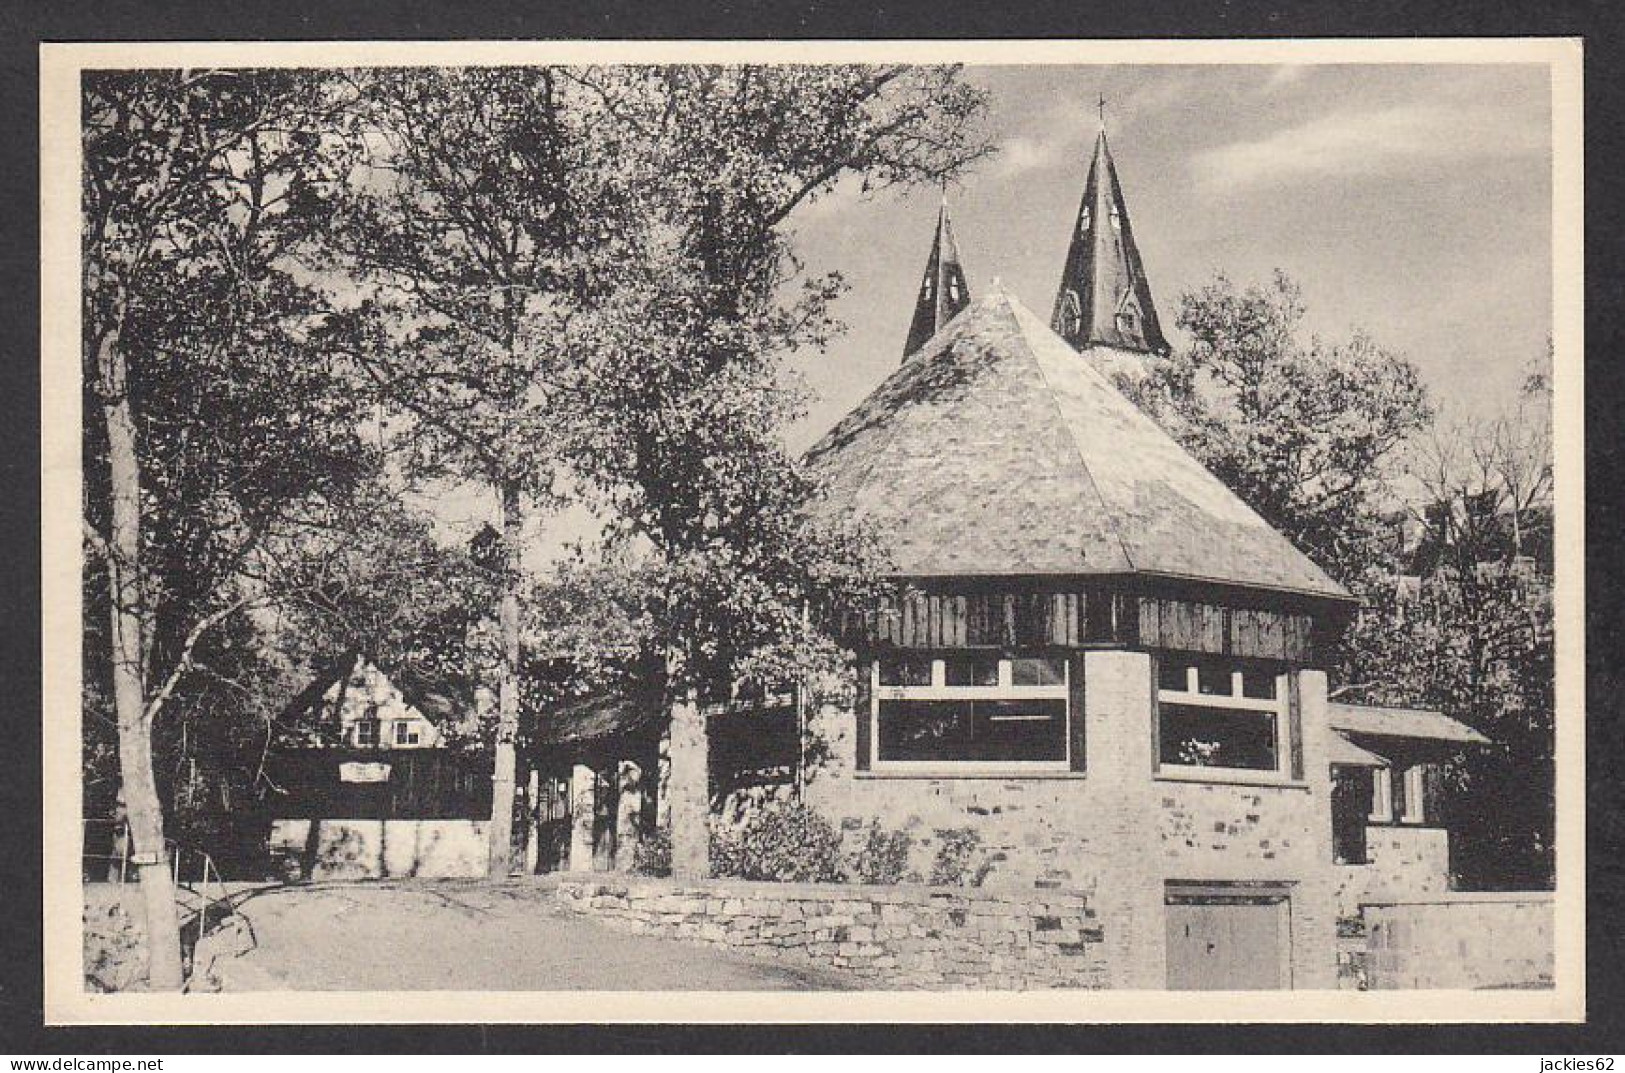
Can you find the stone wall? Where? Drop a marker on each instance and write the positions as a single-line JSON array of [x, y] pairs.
[[1404, 863], [1117, 833], [375, 849], [1461, 941], [896, 937]]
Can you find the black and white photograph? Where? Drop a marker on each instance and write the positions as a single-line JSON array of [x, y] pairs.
[[1025, 531]]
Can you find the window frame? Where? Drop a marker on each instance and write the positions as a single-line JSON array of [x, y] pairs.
[[362, 726], [939, 690], [1279, 707]]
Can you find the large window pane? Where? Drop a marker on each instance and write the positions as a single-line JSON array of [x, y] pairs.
[[1020, 730], [1218, 737]]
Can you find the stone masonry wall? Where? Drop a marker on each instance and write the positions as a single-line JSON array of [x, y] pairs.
[[1405, 863], [1461, 941], [1097, 834], [895, 937]]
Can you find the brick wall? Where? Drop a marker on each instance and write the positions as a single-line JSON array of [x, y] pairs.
[[1461, 941], [1405, 863], [899, 937]]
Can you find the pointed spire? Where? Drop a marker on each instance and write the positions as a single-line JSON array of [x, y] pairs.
[[942, 292], [1104, 299]]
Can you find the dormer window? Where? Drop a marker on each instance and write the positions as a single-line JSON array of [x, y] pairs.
[[1117, 219], [1083, 221]]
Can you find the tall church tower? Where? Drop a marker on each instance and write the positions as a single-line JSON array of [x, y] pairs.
[[1104, 299], [943, 293]]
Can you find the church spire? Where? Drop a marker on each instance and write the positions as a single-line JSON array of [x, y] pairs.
[[1104, 299], [942, 292]]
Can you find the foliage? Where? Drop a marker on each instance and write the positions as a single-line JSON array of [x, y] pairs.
[[684, 356], [1471, 634], [959, 861], [1302, 431], [783, 841], [652, 855], [883, 857]]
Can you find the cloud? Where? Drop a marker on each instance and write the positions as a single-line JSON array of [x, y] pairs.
[[1020, 155], [1381, 141]]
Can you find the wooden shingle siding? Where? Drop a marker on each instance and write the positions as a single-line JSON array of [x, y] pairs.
[[1075, 617]]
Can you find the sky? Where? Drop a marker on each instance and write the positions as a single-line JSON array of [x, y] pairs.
[[1412, 203]]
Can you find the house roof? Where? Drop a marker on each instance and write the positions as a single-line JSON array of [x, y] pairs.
[[1401, 723], [1342, 751], [999, 450]]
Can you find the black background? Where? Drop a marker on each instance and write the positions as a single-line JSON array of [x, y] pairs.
[[22, 28]]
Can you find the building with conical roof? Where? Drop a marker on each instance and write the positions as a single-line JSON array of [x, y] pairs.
[[1104, 664], [1101, 688]]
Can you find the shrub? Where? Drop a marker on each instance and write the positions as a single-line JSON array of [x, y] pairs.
[[785, 842], [959, 861], [652, 854], [883, 857]]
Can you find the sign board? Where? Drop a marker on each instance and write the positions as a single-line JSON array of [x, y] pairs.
[[363, 771]]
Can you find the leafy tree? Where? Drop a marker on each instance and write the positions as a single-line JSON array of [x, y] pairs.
[[477, 202], [681, 359], [1304, 432], [214, 427], [1468, 629]]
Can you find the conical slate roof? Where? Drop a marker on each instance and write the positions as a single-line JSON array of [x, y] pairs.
[[999, 451], [1104, 298], [943, 293]]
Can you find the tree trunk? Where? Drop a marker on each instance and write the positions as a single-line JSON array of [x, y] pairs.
[[138, 786], [500, 846], [690, 790]]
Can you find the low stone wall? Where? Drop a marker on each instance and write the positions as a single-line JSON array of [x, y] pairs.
[[375, 849], [899, 937], [1460, 941], [1404, 864]]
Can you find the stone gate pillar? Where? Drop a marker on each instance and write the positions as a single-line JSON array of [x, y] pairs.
[[583, 807]]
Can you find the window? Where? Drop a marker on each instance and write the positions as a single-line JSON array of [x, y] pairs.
[[972, 709], [366, 732], [1220, 714], [404, 734]]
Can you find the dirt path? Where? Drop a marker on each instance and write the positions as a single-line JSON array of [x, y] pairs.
[[468, 935]]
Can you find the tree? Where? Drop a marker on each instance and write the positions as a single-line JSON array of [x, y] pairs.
[[680, 359], [478, 204], [1472, 634], [214, 424], [1303, 432]]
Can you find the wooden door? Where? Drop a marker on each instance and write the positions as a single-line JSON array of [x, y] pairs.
[[1228, 945]]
